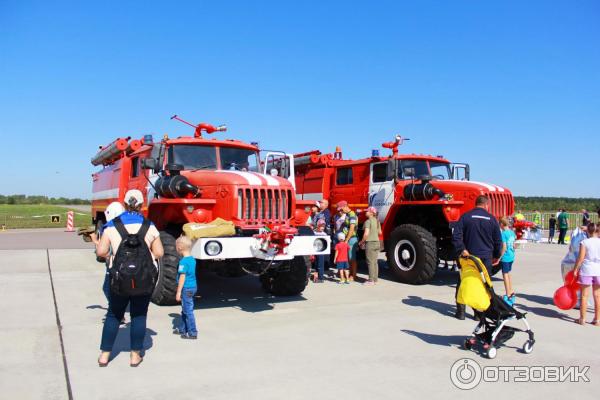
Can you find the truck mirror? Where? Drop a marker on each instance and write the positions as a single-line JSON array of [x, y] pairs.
[[456, 172], [392, 165], [149, 163]]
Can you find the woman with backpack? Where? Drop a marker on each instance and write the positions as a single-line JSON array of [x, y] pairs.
[[370, 242], [135, 244]]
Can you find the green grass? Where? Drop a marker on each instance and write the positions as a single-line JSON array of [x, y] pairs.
[[38, 216]]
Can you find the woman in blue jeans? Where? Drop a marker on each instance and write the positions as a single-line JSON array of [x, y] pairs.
[[132, 219]]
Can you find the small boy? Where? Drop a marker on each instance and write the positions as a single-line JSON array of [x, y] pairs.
[[186, 289], [507, 259], [341, 258]]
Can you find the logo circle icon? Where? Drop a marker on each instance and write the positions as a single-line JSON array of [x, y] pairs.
[[465, 373]]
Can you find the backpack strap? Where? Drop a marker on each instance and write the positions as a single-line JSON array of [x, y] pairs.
[[120, 227], [144, 229], [123, 231]]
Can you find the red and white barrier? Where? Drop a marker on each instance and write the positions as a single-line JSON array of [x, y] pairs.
[[70, 221]]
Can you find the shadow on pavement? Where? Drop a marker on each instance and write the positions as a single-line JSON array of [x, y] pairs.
[[440, 340], [536, 298], [545, 312], [442, 308], [244, 292], [123, 343], [97, 307]]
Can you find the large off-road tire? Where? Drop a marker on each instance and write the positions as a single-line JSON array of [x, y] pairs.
[[412, 254], [289, 278], [166, 286]]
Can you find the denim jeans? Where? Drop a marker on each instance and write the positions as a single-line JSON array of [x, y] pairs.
[[188, 322], [138, 310], [106, 285], [320, 261]]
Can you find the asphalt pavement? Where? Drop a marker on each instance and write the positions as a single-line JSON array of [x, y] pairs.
[[334, 341]]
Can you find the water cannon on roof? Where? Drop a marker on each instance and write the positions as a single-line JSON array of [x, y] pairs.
[[202, 127], [399, 140]]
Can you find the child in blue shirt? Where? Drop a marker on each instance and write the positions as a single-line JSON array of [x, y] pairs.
[[507, 259], [186, 289]]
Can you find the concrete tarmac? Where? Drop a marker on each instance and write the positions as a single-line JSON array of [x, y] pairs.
[[334, 341]]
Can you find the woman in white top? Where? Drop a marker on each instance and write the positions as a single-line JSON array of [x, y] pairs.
[[587, 268]]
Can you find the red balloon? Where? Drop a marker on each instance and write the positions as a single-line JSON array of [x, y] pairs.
[[570, 282], [565, 298]]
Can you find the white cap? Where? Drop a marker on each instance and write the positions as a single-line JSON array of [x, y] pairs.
[[133, 198], [113, 210]]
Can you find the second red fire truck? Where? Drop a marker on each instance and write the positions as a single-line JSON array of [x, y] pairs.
[[418, 197]]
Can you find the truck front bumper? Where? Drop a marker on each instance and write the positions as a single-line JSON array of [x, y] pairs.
[[249, 247]]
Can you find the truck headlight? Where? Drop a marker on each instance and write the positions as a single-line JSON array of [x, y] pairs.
[[319, 245], [213, 248]]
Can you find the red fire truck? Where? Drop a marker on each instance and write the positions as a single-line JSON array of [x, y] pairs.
[[198, 179], [418, 197]]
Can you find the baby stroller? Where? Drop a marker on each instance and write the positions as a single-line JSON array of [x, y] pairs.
[[492, 331]]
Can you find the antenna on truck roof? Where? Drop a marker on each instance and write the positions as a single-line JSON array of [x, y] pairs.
[[208, 128]]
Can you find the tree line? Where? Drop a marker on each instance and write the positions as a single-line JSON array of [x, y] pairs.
[[24, 199], [530, 203], [524, 203]]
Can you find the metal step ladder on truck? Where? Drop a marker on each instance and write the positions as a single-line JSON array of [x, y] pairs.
[[418, 197], [194, 179]]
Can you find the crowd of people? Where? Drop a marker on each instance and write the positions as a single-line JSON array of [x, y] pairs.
[[344, 233]]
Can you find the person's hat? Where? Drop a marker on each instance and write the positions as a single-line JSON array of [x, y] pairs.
[[133, 198], [321, 222], [113, 210], [318, 203], [342, 204], [341, 237], [372, 210]]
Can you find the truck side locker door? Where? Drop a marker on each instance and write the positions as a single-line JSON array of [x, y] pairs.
[[313, 185], [343, 181]]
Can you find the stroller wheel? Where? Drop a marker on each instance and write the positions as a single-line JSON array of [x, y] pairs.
[[528, 347], [491, 352], [467, 344]]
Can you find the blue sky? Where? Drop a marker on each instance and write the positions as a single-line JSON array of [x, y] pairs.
[[511, 87]]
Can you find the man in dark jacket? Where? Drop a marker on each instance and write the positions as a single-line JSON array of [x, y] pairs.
[[477, 233]]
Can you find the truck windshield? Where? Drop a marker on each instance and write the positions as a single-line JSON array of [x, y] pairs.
[[412, 168], [239, 159], [193, 156], [440, 170], [416, 168]]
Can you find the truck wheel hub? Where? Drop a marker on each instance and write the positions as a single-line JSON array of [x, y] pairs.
[[405, 254]]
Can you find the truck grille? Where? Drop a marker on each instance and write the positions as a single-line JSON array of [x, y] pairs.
[[501, 204], [260, 206]]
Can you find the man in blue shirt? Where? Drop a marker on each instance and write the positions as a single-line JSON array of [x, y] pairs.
[[477, 233]]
